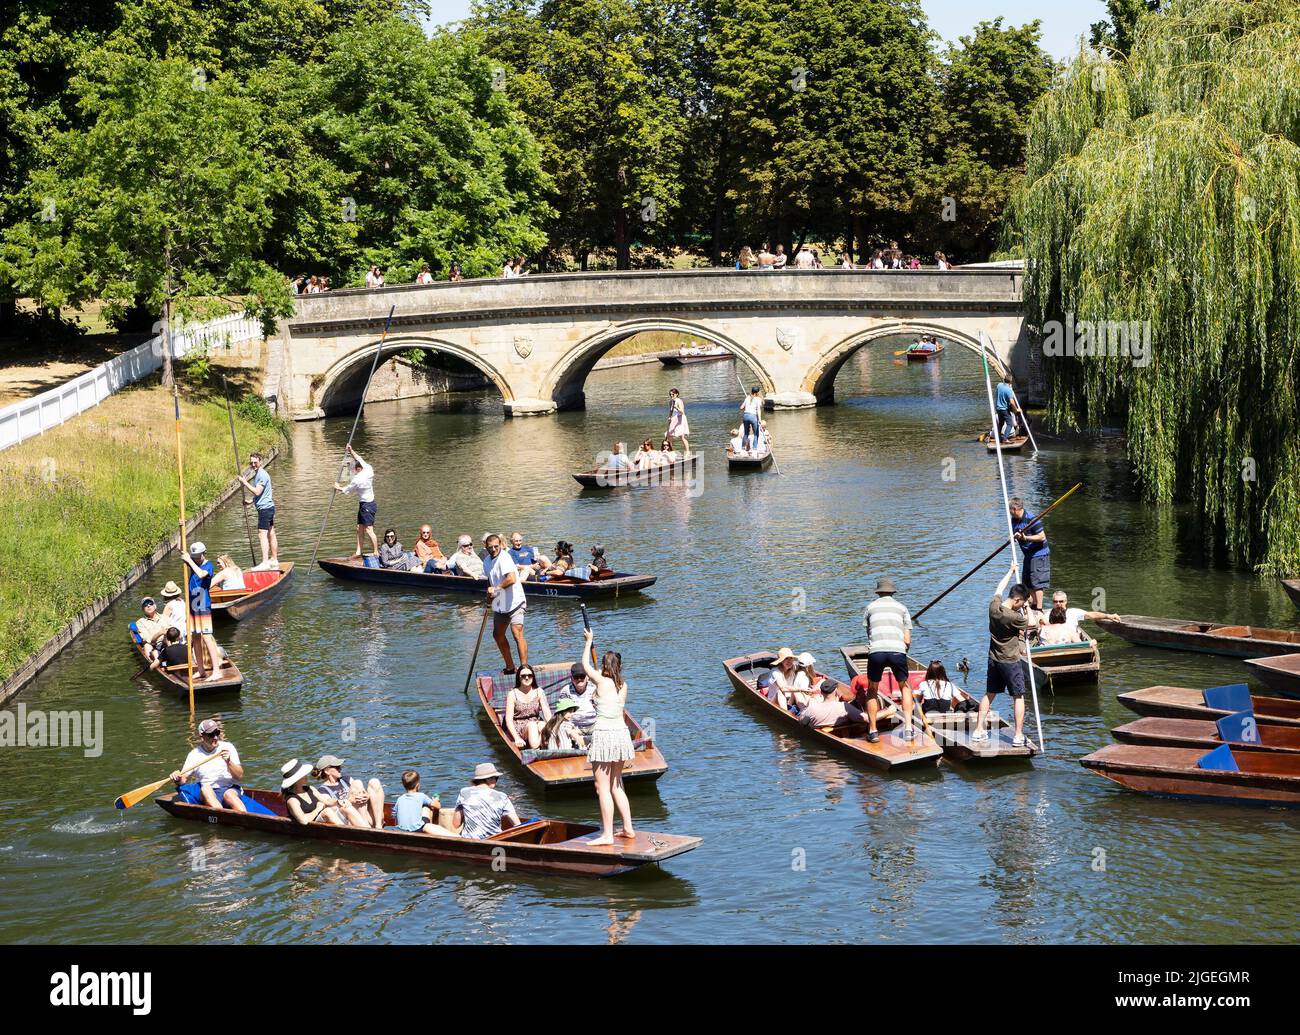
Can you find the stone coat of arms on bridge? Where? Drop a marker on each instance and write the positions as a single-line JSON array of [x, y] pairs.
[[523, 345], [789, 337]]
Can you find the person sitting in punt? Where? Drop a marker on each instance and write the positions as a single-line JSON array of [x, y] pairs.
[[218, 777], [427, 551], [481, 810], [618, 460], [781, 686], [1062, 625], [646, 456], [173, 653], [599, 563], [464, 561], [527, 559], [667, 454], [173, 612], [562, 562], [303, 802], [391, 553], [414, 810], [151, 627], [737, 444], [561, 731], [527, 710], [229, 574], [939, 695], [804, 685], [582, 692], [361, 805], [826, 709]]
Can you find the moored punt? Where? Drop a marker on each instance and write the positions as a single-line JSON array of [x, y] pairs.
[[1281, 674], [557, 586], [552, 768], [548, 846], [919, 354], [261, 587], [1204, 734], [749, 462], [177, 679], [1259, 779], [664, 474], [953, 731], [1068, 662], [891, 752], [1181, 702], [694, 355], [1292, 587], [1009, 445], [1235, 641]]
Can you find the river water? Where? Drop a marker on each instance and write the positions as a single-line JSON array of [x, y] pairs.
[[798, 846]]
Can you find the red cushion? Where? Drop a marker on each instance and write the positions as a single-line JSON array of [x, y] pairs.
[[260, 579]]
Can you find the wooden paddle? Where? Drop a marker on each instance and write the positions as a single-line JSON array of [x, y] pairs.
[[469, 676], [140, 793]]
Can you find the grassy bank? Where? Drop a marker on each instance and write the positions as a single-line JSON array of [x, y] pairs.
[[87, 501], [653, 341]]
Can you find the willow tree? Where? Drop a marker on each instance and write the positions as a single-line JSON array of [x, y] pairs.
[[1165, 189]]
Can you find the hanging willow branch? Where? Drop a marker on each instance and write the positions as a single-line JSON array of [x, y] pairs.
[[1165, 188]]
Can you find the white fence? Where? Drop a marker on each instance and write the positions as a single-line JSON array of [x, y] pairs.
[[31, 417]]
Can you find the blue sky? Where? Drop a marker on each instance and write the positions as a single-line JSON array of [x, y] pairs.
[[1063, 21]]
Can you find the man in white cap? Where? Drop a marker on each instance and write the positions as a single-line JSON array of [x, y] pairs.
[[201, 572], [218, 777], [889, 635], [465, 561], [482, 810]]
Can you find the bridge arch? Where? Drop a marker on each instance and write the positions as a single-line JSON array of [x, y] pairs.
[[820, 378], [564, 381], [350, 371]]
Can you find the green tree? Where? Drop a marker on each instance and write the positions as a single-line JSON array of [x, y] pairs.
[[163, 196], [1165, 190], [1119, 29]]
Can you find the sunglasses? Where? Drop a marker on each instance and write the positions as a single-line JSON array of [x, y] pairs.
[[525, 675]]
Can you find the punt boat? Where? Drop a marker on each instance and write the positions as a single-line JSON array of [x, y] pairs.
[[855, 660], [554, 768], [694, 354], [1281, 673], [1235, 641], [1292, 587], [889, 754], [1180, 702], [1204, 734], [261, 587], [613, 585], [741, 462], [176, 678], [546, 846], [920, 353], [1068, 662], [650, 477], [1009, 445], [1242, 778]]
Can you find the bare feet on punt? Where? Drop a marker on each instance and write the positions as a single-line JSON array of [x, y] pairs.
[[629, 834], [601, 842]]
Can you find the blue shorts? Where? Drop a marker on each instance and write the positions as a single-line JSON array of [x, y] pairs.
[[1005, 675], [265, 518], [884, 659], [1038, 571], [366, 513]]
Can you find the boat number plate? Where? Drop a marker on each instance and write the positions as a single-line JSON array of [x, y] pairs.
[[212, 819]]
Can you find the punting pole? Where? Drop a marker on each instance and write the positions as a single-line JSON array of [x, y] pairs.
[[355, 421], [985, 348], [1025, 418], [469, 677], [234, 444], [744, 394], [185, 570]]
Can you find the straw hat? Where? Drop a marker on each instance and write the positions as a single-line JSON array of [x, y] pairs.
[[783, 654], [293, 771], [171, 590], [485, 771]]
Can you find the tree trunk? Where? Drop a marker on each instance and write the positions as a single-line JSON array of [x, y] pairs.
[[165, 327], [582, 260], [622, 245]]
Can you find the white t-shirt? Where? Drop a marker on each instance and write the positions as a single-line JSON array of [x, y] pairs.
[[363, 484], [804, 260], [738, 444], [502, 565], [425, 277], [753, 404], [173, 614], [216, 773], [938, 690], [508, 271]]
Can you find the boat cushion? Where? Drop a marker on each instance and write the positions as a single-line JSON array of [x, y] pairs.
[[255, 580], [370, 561], [529, 756], [1220, 759], [1233, 697], [135, 633], [189, 792], [1239, 728], [1072, 645]]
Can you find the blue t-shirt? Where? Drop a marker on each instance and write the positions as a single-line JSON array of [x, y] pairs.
[[263, 501], [200, 590], [407, 809], [1029, 524], [524, 555], [1004, 396]]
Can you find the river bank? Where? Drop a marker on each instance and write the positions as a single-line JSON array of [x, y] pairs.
[[91, 505]]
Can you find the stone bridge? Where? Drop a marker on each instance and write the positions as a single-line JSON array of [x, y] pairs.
[[537, 337]]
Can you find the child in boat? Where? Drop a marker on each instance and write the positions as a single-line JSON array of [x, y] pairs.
[[561, 733], [940, 695], [414, 809]]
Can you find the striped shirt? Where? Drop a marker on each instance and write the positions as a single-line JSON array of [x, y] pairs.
[[886, 621]]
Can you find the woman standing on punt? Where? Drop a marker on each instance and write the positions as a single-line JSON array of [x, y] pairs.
[[677, 424], [611, 744]]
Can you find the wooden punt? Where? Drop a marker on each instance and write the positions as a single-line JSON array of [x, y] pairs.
[[890, 753], [1292, 587], [261, 588], [546, 846], [1068, 663], [613, 585], [682, 357], [1009, 445], [952, 730], [919, 355], [1181, 702], [855, 660], [1234, 641], [1203, 734], [553, 769], [1281, 673], [1263, 779], [665, 474], [744, 462], [175, 679]]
